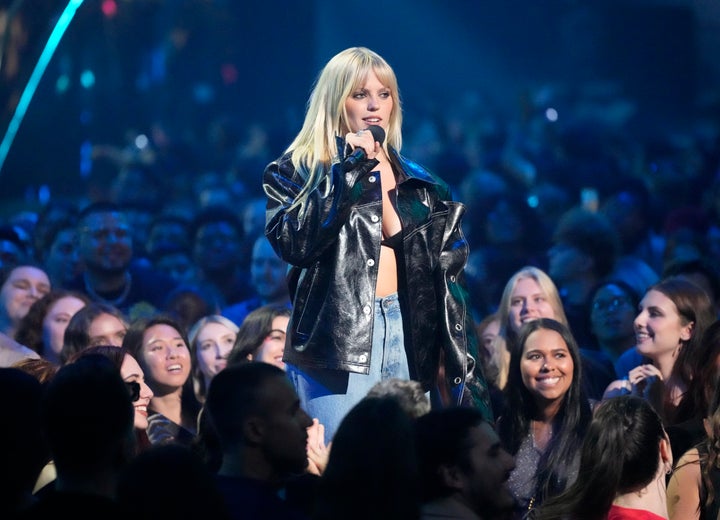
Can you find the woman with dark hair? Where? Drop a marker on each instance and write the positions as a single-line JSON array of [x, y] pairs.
[[547, 413], [673, 316], [694, 487], [697, 399], [261, 336], [161, 347], [95, 324], [43, 327], [623, 465], [134, 377]]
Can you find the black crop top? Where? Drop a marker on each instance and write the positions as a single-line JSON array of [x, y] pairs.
[[393, 242]]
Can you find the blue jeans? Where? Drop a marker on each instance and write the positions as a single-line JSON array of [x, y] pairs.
[[330, 394]]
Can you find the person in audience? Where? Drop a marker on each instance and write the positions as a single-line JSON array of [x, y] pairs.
[[694, 485], [43, 327], [373, 456], [20, 286], [268, 278], [24, 451], [211, 340], [464, 469], [613, 306], [585, 248], [408, 393], [673, 316], [528, 295], [13, 249], [161, 348], [217, 236], [110, 275], [134, 378], [261, 336], [547, 413], [59, 255], [87, 417], [262, 433], [624, 463], [94, 324], [695, 402]]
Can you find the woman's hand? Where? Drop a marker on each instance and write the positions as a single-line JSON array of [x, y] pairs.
[[317, 452], [646, 381], [363, 139]]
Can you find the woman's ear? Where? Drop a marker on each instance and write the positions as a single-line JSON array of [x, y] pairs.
[[666, 453]]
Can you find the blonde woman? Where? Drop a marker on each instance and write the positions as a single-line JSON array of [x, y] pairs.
[[211, 340], [376, 250], [531, 294]]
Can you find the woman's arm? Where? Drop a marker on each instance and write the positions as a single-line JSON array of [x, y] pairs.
[[301, 233], [683, 492]]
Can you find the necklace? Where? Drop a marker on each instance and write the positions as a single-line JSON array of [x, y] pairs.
[[114, 302]]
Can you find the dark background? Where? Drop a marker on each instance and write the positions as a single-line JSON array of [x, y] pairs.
[[186, 62]]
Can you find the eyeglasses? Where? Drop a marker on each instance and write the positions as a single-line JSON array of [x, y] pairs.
[[134, 389], [609, 305]]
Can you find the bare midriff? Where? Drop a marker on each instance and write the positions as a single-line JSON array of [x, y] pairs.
[[387, 282]]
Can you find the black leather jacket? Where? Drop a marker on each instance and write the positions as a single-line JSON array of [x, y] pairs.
[[333, 248]]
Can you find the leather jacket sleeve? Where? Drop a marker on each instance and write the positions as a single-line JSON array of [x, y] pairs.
[[300, 235]]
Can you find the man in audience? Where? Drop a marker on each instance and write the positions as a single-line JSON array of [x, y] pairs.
[[463, 467], [262, 432], [268, 277], [111, 276], [87, 416]]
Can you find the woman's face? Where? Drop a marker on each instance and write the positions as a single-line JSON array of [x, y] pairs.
[[166, 356], [272, 348], [212, 346], [107, 329], [132, 373], [370, 104], [487, 337], [612, 314], [56, 321], [546, 366], [659, 328], [24, 286], [528, 302]]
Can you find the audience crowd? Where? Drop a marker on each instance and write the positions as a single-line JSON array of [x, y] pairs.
[[142, 329]]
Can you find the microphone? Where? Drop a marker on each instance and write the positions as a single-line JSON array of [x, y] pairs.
[[358, 155]]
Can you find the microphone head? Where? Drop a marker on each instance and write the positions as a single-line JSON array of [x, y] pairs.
[[378, 133]]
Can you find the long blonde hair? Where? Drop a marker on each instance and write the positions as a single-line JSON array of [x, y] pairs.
[[315, 147], [507, 336]]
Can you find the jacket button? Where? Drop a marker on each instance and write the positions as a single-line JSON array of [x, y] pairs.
[[372, 178], [371, 262], [458, 327], [375, 218], [452, 278], [366, 309], [362, 358], [457, 380]]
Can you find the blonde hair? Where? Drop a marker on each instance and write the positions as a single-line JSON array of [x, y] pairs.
[[315, 147], [507, 336], [197, 377]]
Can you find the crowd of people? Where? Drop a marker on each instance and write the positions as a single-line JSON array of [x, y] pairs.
[[528, 328]]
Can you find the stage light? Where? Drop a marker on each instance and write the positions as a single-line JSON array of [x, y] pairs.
[[109, 8], [87, 78], [551, 115], [62, 84]]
